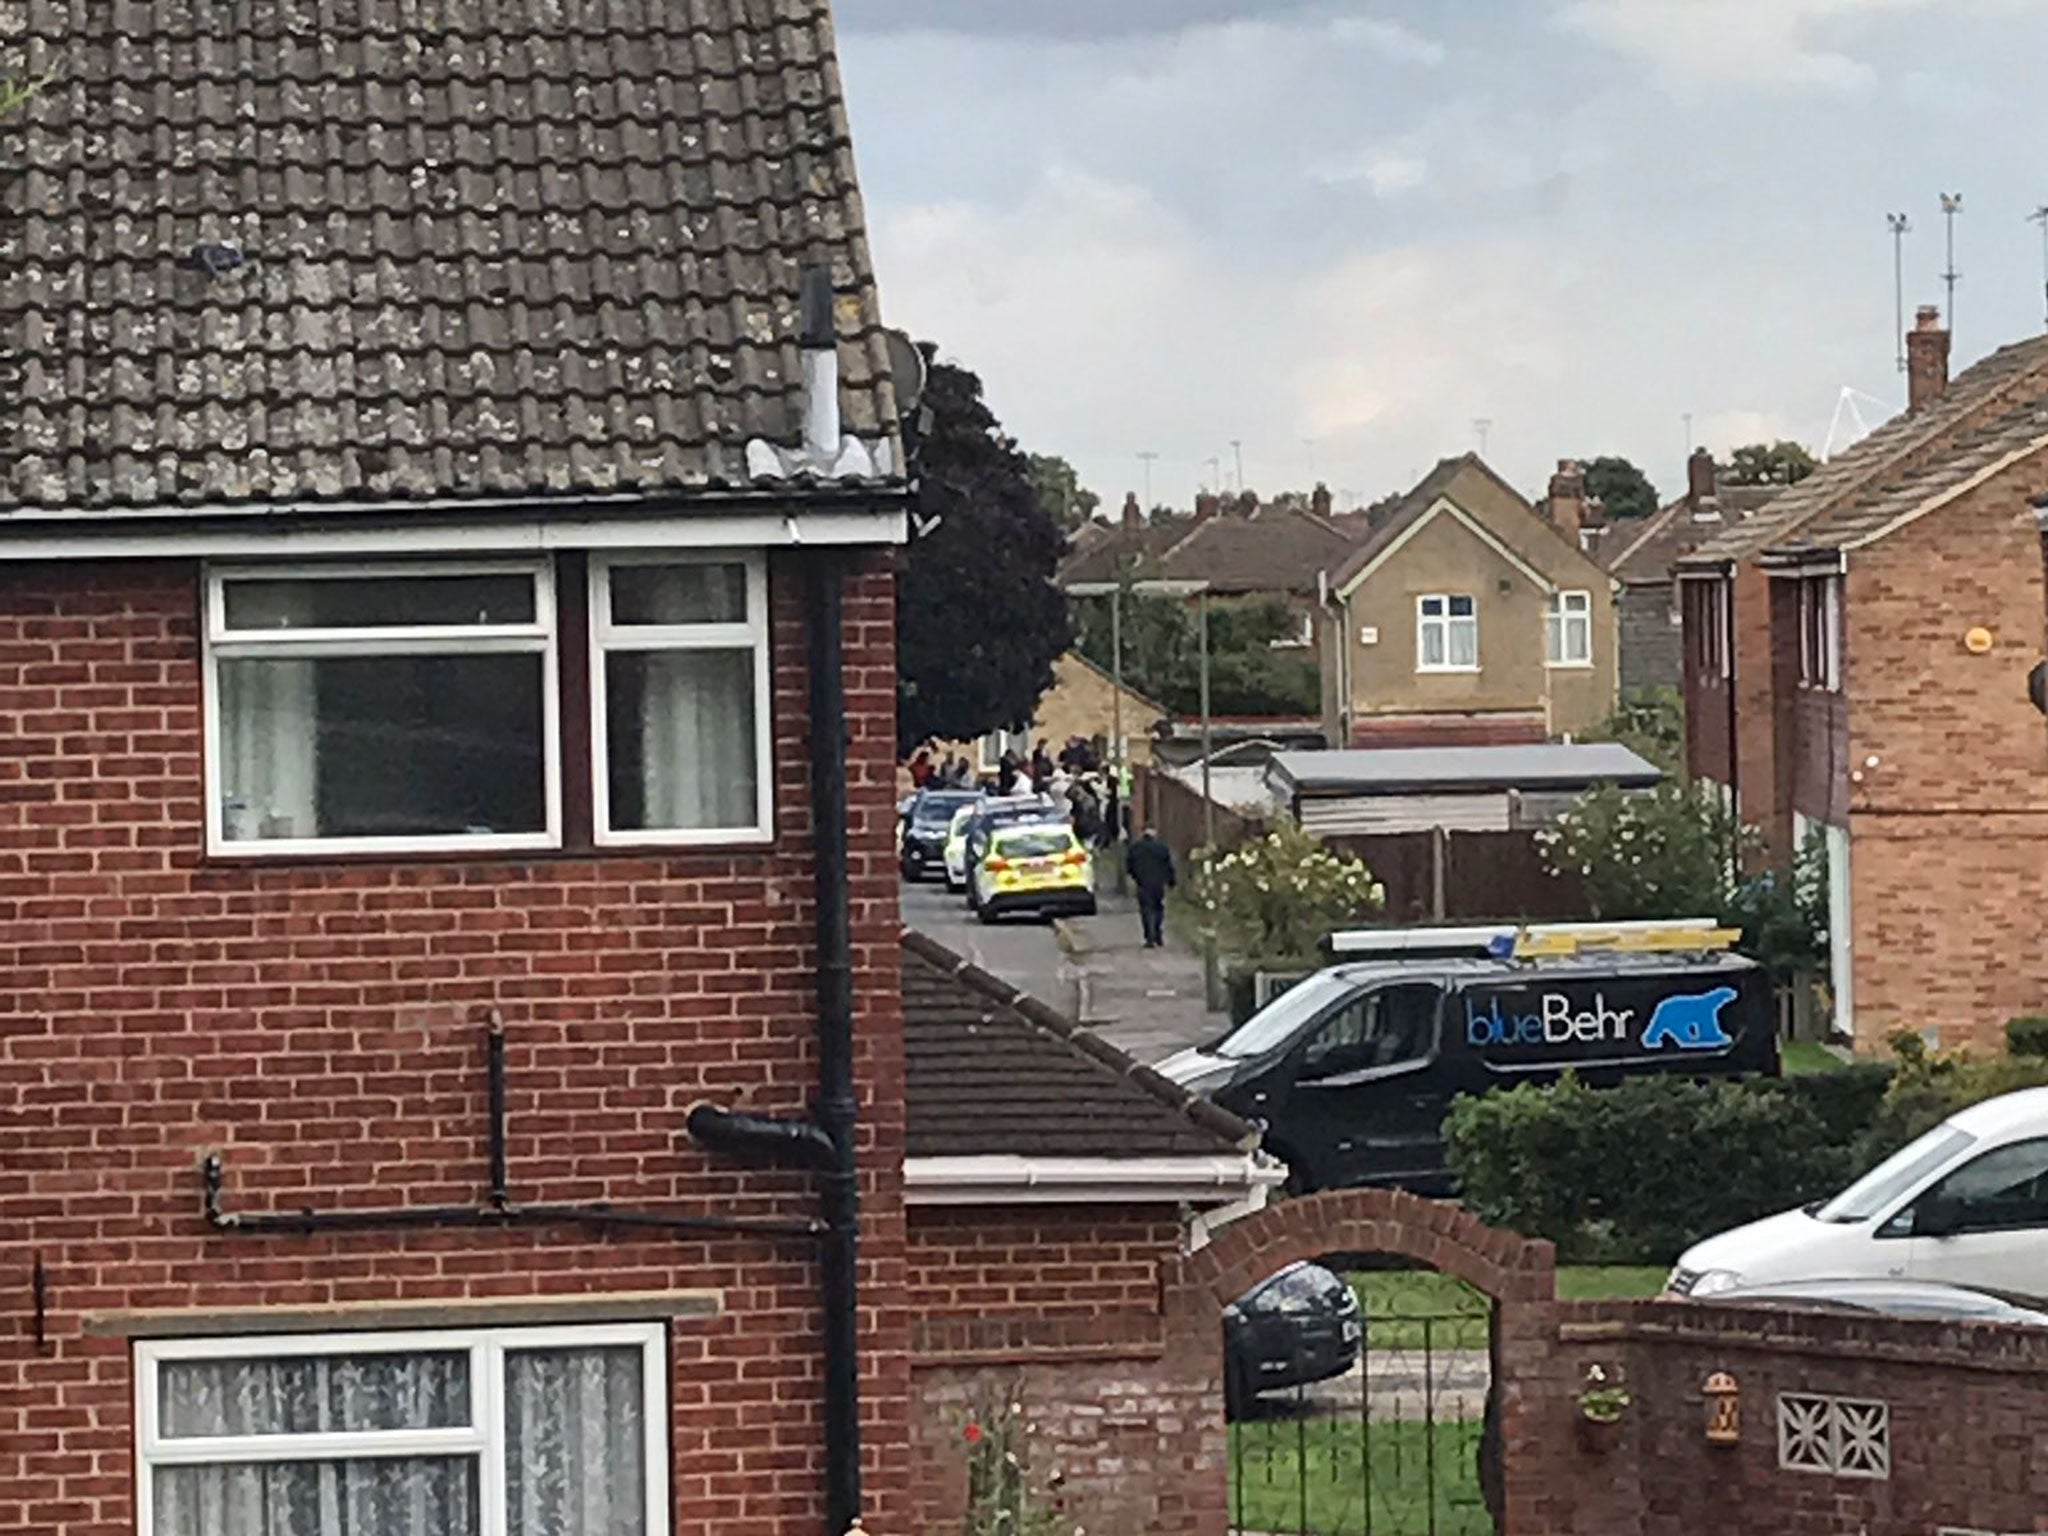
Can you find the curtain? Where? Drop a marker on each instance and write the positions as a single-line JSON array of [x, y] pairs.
[[387, 1496], [574, 1436], [697, 738], [268, 744]]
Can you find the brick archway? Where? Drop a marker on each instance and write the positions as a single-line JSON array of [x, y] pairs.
[[1506, 1267], [1518, 1274]]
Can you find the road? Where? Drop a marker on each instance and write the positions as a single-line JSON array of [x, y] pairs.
[[1024, 953]]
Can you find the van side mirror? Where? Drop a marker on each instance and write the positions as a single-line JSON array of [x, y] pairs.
[[1937, 1216]]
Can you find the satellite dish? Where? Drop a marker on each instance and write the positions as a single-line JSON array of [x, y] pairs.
[[906, 366]]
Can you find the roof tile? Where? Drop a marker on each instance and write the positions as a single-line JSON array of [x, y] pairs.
[[385, 249]]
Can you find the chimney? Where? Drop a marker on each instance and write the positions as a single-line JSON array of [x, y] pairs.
[[820, 343], [1134, 515], [1567, 504], [1207, 505], [1320, 502], [1926, 359], [1702, 484]]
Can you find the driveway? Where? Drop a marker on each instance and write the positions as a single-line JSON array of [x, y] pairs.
[[1024, 952]]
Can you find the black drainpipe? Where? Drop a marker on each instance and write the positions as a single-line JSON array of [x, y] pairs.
[[825, 1141]]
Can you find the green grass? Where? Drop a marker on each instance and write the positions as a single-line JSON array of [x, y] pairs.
[[1269, 1491], [1405, 1308], [1797, 1058]]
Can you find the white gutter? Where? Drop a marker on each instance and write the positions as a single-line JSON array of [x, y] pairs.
[[1223, 1180], [707, 530]]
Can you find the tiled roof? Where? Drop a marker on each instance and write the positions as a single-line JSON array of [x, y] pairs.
[[1108, 555], [358, 250], [1280, 551], [993, 1072], [1649, 551], [1894, 456], [1537, 532]]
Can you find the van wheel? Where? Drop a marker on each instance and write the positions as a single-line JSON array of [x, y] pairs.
[[1298, 1181]]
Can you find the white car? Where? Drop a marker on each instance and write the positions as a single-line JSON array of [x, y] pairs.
[[1966, 1204]]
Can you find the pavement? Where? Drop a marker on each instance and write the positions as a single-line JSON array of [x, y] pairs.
[[1146, 1001]]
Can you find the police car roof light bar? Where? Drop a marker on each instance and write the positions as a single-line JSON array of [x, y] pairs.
[[1534, 941]]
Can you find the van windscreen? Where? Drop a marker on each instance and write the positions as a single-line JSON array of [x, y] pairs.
[[1872, 1194], [1279, 1021]]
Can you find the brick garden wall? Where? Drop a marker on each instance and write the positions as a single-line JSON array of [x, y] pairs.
[[1061, 1312], [319, 1024]]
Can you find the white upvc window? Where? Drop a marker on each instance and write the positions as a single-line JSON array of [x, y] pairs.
[[679, 694], [996, 743], [1446, 633], [381, 708], [486, 1432], [1568, 630]]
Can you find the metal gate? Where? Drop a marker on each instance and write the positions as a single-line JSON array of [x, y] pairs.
[[1394, 1444]]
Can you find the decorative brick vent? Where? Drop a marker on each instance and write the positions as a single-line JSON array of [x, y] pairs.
[[1834, 1436]]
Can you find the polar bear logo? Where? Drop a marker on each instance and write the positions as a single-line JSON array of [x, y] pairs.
[[1690, 1023]]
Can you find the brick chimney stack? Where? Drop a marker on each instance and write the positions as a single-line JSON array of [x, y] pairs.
[[1321, 502], [1207, 505], [1567, 504], [1134, 515], [1702, 484], [1926, 359]]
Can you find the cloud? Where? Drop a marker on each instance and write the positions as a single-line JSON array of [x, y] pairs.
[[1388, 38], [1389, 172], [1765, 43]]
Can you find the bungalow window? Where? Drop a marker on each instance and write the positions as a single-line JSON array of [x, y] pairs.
[[381, 708], [679, 684], [1568, 630], [1447, 634], [507, 1432], [1820, 633]]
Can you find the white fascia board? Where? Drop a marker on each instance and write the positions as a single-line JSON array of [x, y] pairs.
[[1010, 1180], [308, 538], [1479, 530]]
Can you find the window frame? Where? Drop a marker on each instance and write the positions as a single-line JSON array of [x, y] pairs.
[[1819, 611], [1558, 622], [483, 1438], [1002, 736], [753, 634], [1425, 621], [219, 643]]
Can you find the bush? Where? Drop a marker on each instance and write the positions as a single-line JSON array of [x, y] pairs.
[[1932, 1085], [1845, 1101], [1636, 1172], [2027, 1036], [1281, 894]]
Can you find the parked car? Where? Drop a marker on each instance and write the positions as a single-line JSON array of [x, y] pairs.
[[993, 812], [955, 860], [1292, 1328], [1893, 1298], [1353, 1069], [1039, 867], [1966, 1204], [921, 842]]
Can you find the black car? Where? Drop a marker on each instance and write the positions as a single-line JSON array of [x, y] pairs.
[[1292, 1328], [926, 820]]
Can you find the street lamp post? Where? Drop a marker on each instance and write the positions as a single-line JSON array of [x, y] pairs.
[[1116, 727]]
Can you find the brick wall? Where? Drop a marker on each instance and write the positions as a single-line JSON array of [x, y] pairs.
[[1652, 645], [1967, 1407], [318, 1023], [1949, 769], [1060, 1311]]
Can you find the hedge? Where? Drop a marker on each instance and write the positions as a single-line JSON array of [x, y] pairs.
[[2027, 1036]]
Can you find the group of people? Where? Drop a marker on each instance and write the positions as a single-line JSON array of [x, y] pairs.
[[1094, 800]]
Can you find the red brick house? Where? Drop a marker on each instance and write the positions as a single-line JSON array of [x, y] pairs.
[[1052, 1184], [446, 474], [1857, 659]]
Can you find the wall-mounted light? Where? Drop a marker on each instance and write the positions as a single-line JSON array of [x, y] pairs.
[[1724, 1409], [1979, 641]]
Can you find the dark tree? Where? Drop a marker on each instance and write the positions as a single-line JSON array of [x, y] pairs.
[[979, 622], [1060, 491], [1623, 490], [1781, 463]]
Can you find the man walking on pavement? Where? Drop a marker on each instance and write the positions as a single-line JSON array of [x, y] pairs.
[[1149, 863]]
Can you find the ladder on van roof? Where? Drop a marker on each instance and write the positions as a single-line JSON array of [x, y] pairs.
[[1534, 941]]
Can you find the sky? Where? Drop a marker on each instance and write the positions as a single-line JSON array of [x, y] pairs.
[[1340, 235]]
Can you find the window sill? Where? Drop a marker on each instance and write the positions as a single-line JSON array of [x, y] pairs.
[[232, 858], [1445, 671], [1568, 666], [723, 837]]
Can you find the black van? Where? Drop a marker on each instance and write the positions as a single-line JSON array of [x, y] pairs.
[[1352, 1070]]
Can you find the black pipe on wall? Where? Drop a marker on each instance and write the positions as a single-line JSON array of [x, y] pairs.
[[836, 1108]]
